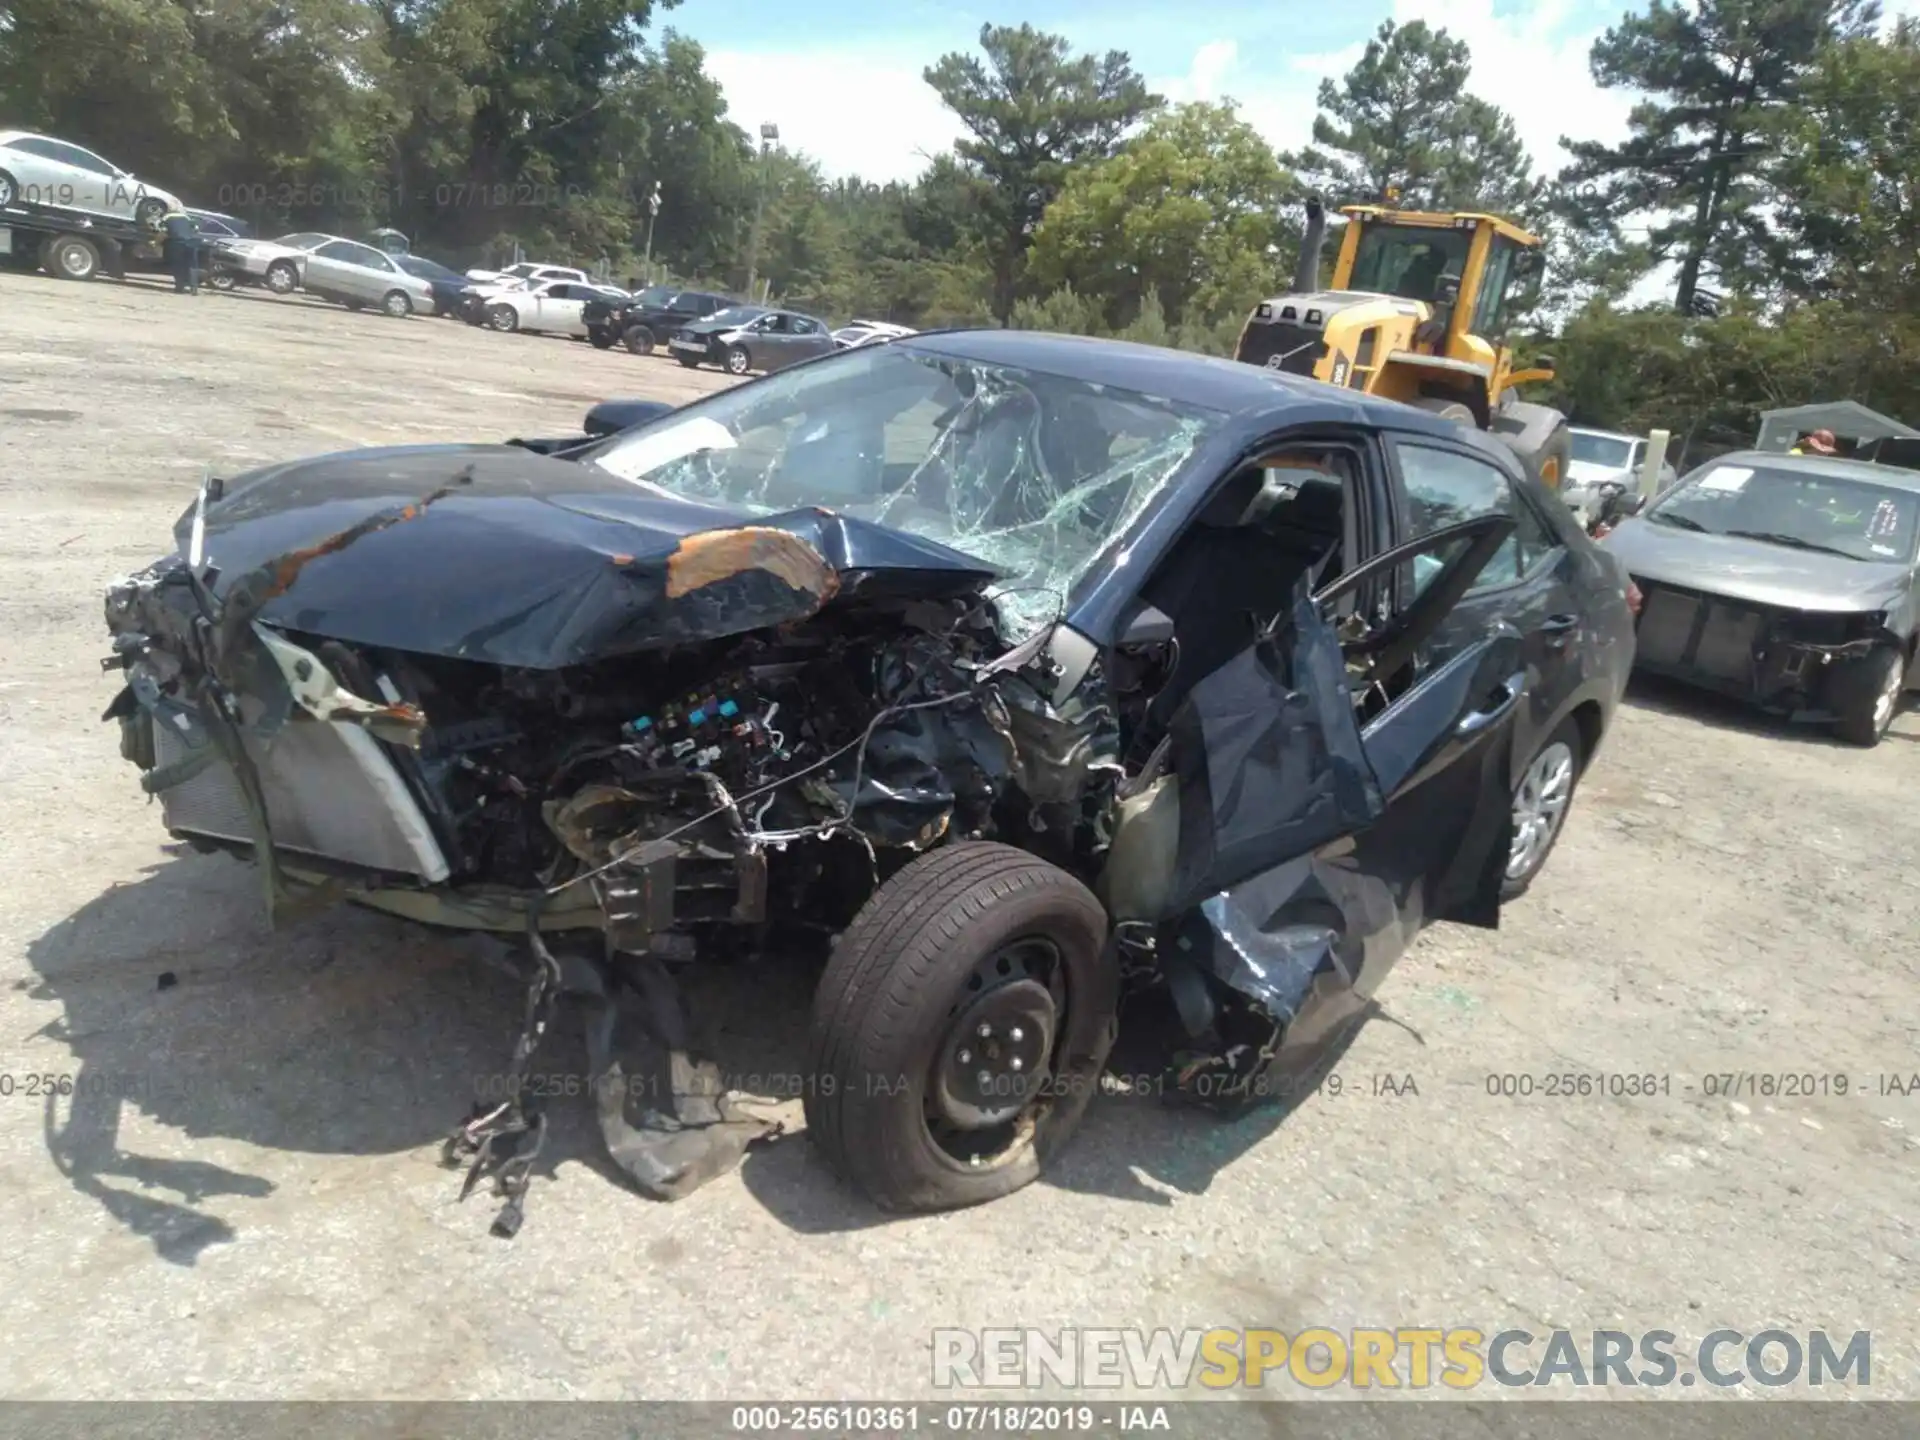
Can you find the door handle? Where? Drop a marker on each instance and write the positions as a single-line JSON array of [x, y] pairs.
[[1497, 708], [1559, 629]]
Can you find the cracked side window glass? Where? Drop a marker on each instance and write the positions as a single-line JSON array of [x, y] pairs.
[[1033, 473]]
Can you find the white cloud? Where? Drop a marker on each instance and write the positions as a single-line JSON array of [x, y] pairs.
[[869, 114]]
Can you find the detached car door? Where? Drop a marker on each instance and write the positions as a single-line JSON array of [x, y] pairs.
[[1330, 804]]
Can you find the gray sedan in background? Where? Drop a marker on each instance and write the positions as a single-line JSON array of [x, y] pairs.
[[358, 275], [744, 338], [1787, 581]]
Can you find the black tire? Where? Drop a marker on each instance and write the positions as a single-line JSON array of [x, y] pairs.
[[503, 318], [638, 339], [1567, 734], [354, 305], [1866, 695], [220, 278], [601, 337], [282, 278], [738, 361], [692, 362], [71, 257], [919, 962], [9, 190], [396, 303], [149, 212]]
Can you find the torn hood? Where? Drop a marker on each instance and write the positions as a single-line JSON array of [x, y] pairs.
[[493, 553], [1755, 570]]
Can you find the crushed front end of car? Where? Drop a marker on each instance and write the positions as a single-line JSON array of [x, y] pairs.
[[410, 680]]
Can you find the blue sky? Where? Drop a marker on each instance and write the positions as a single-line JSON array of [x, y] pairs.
[[842, 79]]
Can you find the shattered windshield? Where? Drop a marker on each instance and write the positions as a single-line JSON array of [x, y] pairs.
[[1797, 509], [1033, 473]]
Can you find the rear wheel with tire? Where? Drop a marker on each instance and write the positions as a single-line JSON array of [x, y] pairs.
[[638, 339], [601, 337], [692, 362], [149, 212], [71, 257], [353, 305], [739, 362], [397, 303], [1540, 804], [503, 318], [1866, 696], [9, 191], [960, 1028], [282, 278]]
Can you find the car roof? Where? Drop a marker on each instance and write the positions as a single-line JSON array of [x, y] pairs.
[[1257, 396], [1832, 467]]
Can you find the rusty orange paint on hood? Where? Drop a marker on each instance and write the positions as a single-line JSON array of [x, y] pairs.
[[715, 555]]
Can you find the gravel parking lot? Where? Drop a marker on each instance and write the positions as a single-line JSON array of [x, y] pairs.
[[243, 1201]]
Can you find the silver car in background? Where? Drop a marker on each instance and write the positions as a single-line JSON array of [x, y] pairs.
[[1791, 582], [41, 173], [274, 263], [358, 276]]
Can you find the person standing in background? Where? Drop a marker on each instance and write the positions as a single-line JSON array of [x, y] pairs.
[[182, 251]]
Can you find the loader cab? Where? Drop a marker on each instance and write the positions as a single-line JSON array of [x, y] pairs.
[[1467, 268]]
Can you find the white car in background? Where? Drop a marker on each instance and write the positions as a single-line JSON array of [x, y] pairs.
[[529, 273], [868, 332], [546, 307], [38, 172], [1603, 462]]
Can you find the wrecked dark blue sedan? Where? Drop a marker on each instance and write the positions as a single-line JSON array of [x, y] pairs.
[[1069, 688]]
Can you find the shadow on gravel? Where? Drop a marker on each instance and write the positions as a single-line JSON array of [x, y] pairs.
[[351, 1033], [1664, 696], [348, 1033]]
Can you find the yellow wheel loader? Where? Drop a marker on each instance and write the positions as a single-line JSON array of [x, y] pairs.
[[1415, 312]]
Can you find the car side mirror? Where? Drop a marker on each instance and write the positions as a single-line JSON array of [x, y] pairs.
[[1150, 625], [1617, 506]]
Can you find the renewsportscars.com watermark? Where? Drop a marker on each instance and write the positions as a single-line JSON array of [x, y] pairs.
[[1452, 1358]]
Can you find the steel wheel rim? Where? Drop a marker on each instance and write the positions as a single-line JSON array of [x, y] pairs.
[[398, 305], [280, 280], [1888, 699], [737, 362], [1539, 807], [73, 260], [1018, 989]]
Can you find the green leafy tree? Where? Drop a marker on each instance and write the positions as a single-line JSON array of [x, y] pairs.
[[1033, 111], [1717, 73], [1848, 169], [1184, 218], [1402, 121]]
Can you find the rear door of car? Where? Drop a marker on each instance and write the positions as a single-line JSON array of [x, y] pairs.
[[1530, 588], [810, 338], [328, 271]]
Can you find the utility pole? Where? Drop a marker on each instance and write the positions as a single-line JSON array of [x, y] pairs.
[[653, 214], [768, 134]]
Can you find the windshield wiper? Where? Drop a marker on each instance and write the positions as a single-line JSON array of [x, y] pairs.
[[1679, 522], [1795, 542]]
